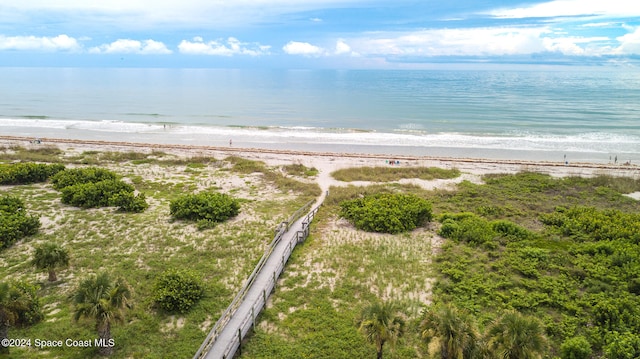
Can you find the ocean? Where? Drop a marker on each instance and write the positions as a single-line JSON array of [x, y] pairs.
[[586, 114]]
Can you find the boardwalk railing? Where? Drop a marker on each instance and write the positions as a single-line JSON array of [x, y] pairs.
[[250, 320]]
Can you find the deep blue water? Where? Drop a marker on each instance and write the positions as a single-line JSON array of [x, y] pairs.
[[592, 111]]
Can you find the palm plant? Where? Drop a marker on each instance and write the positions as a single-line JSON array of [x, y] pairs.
[[49, 257], [381, 324], [455, 330], [105, 301], [515, 336], [16, 307], [7, 315]]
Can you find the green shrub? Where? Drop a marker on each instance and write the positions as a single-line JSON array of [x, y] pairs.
[[94, 187], [207, 208], [387, 213], [624, 345], [589, 223], [27, 172], [74, 176], [468, 228], [128, 202], [177, 291], [92, 195], [575, 348], [15, 224], [511, 230]]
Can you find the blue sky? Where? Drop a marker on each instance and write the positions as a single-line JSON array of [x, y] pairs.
[[318, 33]]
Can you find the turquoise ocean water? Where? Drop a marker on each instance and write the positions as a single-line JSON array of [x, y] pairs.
[[586, 114]]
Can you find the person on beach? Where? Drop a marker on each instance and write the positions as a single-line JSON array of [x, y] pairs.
[[230, 143]]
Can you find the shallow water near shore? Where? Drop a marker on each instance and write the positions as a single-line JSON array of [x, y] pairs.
[[586, 115]]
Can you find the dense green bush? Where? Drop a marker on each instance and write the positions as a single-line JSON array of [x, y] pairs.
[[387, 213], [14, 221], [575, 348], [622, 346], [473, 229], [467, 228], [511, 231], [206, 208], [27, 172], [74, 176], [589, 223], [128, 202], [579, 274], [93, 187], [177, 291], [91, 195]]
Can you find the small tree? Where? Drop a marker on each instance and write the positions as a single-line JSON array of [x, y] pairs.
[[177, 291], [455, 330], [49, 257], [381, 324], [515, 336], [104, 301], [19, 305]]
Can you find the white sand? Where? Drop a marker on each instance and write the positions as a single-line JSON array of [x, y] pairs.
[[326, 162]]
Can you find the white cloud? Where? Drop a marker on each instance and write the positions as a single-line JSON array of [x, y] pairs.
[[302, 48], [56, 43], [506, 41], [230, 47], [629, 43], [128, 46], [560, 8], [456, 42], [342, 47]]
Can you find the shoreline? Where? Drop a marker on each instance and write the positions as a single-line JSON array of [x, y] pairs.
[[329, 160], [536, 147]]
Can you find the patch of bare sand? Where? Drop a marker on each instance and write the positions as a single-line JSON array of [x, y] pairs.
[[173, 323], [634, 195]]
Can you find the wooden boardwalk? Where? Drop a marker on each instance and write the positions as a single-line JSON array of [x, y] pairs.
[[225, 338]]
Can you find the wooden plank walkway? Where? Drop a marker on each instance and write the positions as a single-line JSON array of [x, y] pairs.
[[225, 338]]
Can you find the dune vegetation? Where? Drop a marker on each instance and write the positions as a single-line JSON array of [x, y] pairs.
[[167, 279], [520, 266], [516, 266]]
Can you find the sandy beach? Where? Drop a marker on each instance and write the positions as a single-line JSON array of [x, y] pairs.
[[327, 162]]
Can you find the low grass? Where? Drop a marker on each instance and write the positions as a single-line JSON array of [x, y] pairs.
[[390, 174], [139, 247], [42, 153], [307, 190], [298, 169]]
